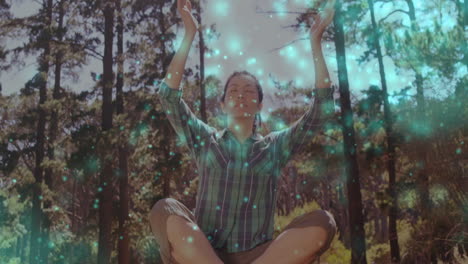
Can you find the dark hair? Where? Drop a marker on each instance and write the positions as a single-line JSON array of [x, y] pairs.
[[259, 89]]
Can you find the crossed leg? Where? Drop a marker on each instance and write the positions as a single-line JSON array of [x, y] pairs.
[[294, 246], [189, 243], [302, 241]]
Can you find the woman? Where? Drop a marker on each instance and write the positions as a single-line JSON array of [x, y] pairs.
[[238, 170]]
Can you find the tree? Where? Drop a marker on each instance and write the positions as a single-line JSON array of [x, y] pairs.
[[201, 48], [394, 248], [356, 221], [37, 216], [53, 130], [106, 175], [124, 240]]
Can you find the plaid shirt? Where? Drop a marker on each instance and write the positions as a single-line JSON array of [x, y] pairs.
[[236, 194]]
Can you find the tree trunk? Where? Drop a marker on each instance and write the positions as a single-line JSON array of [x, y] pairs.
[[48, 177], [36, 217], [421, 144], [23, 249], [344, 225], [465, 24], [124, 240], [394, 248], [106, 179], [73, 230], [19, 244], [377, 229], [201, 45], [384, 229], [356, 221]]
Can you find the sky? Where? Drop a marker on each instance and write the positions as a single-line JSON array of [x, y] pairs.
[[246, 43]]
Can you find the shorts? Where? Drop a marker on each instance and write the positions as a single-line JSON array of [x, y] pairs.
[[168, 206]]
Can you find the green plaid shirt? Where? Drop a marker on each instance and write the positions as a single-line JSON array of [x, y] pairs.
[[236, 194]]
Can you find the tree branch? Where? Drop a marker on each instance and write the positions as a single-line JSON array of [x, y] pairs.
[[394, 11], [259, 11], [291, 42]]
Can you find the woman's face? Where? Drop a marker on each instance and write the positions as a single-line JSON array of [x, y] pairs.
[[241, 98]]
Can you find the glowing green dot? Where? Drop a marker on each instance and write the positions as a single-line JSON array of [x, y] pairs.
[[218, 207], [99, 189], [246, 199], [298, 196], [64, 178], [121, 237], [122, 128], [190, 239], [458, 151], [14, 180], [95, 244], [56, 208], [254, 206], [195, 227], [51, 244], [40, 197]]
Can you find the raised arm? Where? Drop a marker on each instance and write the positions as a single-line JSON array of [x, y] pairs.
[[321, 21], [192, 131], [176, 67], [291, 139]]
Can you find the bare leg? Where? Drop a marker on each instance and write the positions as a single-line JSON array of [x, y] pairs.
[[294, 246], [189, 243]]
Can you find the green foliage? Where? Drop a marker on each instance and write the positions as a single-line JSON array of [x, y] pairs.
[[337, 253], [379, 253]]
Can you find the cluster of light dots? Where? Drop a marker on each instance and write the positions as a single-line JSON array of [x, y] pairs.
[[96, 204]]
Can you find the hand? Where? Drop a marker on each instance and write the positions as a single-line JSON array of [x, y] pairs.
[[185, 10], [322, 19]]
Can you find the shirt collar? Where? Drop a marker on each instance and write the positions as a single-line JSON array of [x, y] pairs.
[[224, 132]]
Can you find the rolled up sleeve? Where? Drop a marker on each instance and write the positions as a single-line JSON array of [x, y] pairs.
[[192, 131], [291, 139]]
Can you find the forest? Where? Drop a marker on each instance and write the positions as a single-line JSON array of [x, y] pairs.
[[86, 149]]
